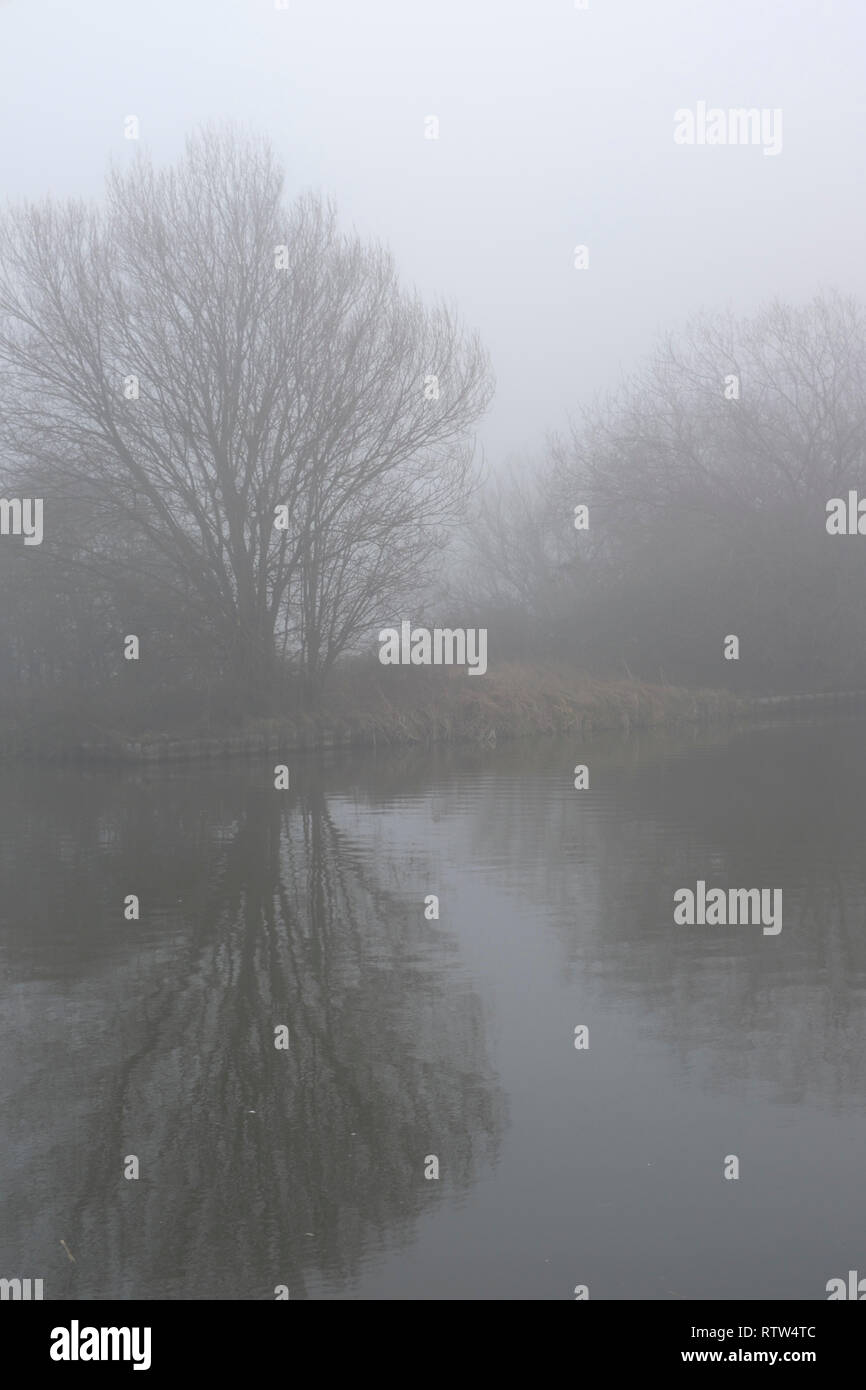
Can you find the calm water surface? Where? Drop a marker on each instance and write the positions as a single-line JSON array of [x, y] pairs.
[[454, 1038]]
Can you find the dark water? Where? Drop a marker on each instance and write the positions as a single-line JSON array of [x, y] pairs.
[[455, 1038]]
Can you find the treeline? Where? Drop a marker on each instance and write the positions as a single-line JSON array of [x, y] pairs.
[[706, 481], [255, 449]]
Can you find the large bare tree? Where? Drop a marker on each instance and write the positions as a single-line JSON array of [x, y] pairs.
[[252, 411]]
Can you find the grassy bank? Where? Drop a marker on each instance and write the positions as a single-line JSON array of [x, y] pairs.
[[372, 708]]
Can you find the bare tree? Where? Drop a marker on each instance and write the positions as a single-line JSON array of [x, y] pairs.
[[519, 563], [708, 476], [234, 392], [732, 416]]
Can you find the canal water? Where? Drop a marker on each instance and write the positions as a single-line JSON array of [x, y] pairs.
[[414, 1042]]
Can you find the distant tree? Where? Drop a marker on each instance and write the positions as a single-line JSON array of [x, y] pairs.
[[518, 565], [708, 476]]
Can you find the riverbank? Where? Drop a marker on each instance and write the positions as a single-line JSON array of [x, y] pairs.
[[368, 709]]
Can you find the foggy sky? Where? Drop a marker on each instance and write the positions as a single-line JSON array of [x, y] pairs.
[[556, 128]]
